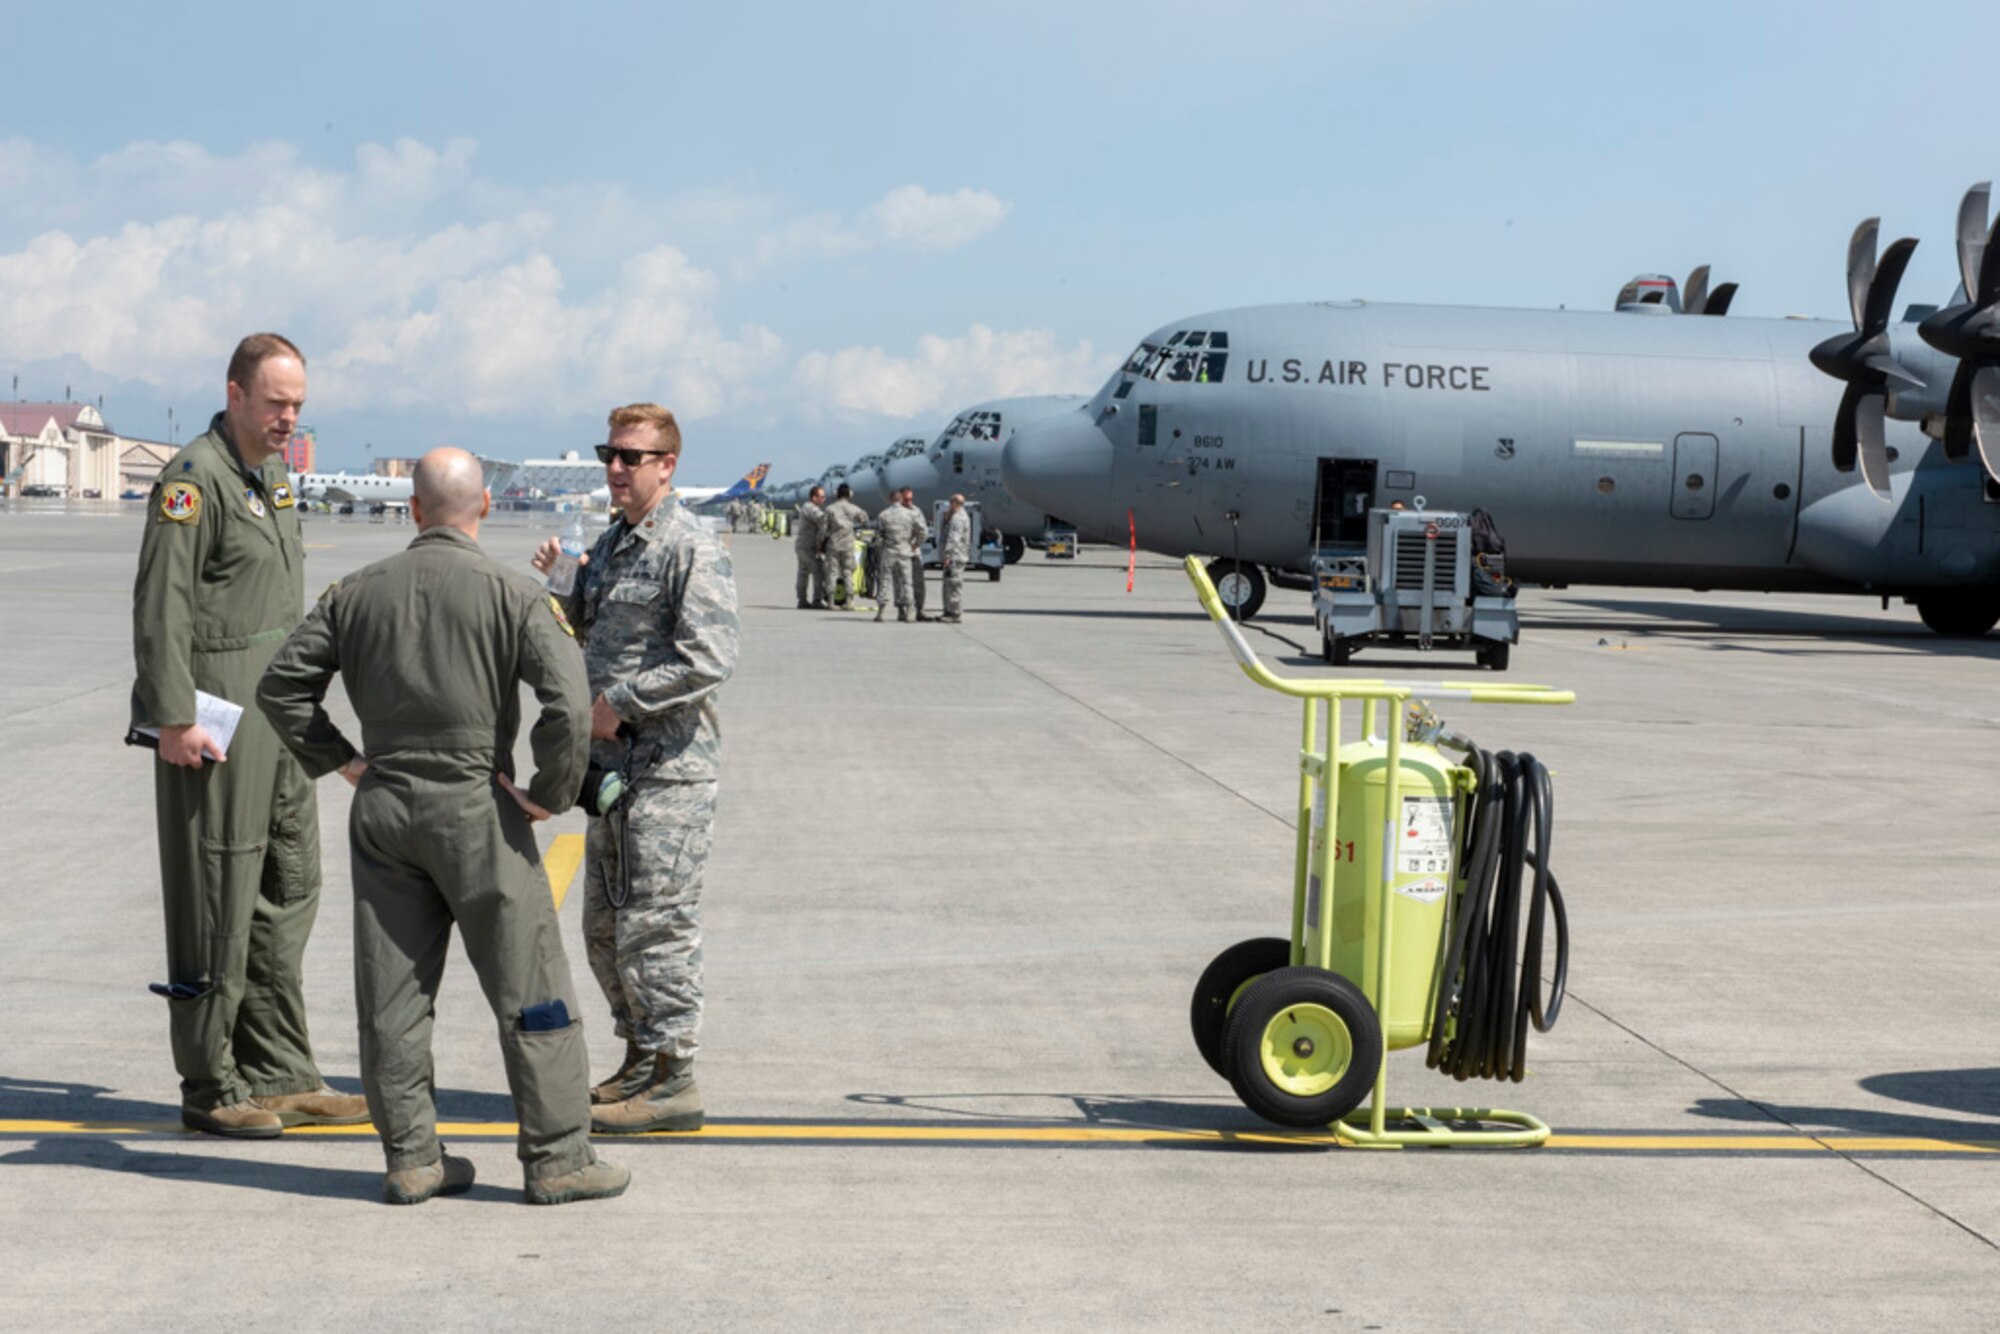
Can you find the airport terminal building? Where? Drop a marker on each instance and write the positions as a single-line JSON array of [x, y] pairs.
[[66, 449]]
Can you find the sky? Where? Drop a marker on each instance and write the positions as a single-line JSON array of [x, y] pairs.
[[811, 230]]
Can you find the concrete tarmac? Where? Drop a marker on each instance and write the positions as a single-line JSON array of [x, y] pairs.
[[964, 880]]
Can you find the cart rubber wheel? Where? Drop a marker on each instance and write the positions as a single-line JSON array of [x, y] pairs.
[[1239, 584], [1494, 655], [1337, 650], [993, 574], [1302, 1047], [1014, 548], [1222, 982]]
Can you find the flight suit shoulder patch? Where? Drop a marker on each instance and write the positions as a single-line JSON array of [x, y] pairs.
[[180, 502], [562, 617]]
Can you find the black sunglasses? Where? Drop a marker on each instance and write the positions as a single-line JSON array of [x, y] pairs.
[[631, 458]]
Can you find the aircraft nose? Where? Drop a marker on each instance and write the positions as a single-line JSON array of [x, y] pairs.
[[1061, 466]]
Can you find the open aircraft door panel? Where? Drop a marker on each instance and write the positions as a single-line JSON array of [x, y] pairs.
[[1695, 460]]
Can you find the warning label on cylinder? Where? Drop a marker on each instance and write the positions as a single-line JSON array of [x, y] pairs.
[[1428, 890], [1423, 843]]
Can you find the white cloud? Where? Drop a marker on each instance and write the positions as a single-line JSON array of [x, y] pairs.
[[935, 222], [415, 284], [907, 215], [392, 305], [944, 374]]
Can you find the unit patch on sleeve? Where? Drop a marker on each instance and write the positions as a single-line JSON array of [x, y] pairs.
[[562, 617], [180, 502]]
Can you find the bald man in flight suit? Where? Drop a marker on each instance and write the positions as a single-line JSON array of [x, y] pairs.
[[433, 645]]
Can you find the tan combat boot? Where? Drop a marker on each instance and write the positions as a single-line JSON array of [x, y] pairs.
[[321, 1107], [670, 1101], [597, 1180], [239, 1120], [629, 1077], [414, 1185]]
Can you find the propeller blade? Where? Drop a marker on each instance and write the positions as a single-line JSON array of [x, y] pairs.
[[1870, 411], [1972, 234], [1989, 269], [1861, 267], [1986, 418], [1958, 413], [1889, 368], [1719, 299], [1694, 296], [1845, 446], [1881, 302]]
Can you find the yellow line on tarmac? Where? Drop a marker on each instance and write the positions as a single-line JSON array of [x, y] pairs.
[[565, 854], [890, 1133]]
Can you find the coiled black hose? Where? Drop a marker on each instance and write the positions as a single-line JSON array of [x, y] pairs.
[[1482, 1010]]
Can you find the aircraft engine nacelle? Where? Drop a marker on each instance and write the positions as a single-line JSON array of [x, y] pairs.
[[1918, 402]]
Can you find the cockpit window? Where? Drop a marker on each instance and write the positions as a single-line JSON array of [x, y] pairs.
[[969, 426], [1189, 357]]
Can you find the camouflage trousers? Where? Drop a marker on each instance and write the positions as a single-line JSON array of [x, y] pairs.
[[893, 582], [840, 573], [642, 916], [812, 580], [954, 586]]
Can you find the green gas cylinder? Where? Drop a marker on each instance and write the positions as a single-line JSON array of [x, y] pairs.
[[1419, 869]]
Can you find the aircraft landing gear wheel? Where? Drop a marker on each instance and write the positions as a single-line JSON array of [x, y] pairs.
[[1961, 614], [1225, 979], [1337, 650], [1015, 548], [1240, 585], [1302, 1047], [1494, 655]]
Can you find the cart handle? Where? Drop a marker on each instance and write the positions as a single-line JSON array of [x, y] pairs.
[[1347, 688]]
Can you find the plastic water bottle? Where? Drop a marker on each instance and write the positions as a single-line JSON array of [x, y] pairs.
[[562, 571]]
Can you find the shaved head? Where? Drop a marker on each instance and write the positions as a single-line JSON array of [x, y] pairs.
[[450, 490]]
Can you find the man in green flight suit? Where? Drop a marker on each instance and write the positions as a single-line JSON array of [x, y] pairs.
[[433, 645], [220, 585]]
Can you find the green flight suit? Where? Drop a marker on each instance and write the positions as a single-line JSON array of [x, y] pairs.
[[221, 582], [432, 645]]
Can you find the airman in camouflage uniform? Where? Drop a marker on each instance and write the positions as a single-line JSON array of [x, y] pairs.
[[655, 606], [843, 519], [221, 582], [433, 645], [899, 531], [808, 543], [954, 550]]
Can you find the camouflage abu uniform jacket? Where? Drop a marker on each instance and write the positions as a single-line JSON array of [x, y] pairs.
[[957, 544], [655, 609]]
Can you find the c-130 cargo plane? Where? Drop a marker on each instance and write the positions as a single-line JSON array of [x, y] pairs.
[[1654, 445]]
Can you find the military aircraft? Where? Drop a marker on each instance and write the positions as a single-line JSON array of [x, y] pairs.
[[864, 476], [965, 458], [1657, 444], [908, 446]]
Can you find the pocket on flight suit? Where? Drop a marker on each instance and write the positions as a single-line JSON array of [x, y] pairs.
[[551, 1074], [229, 874], [291, 865]]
